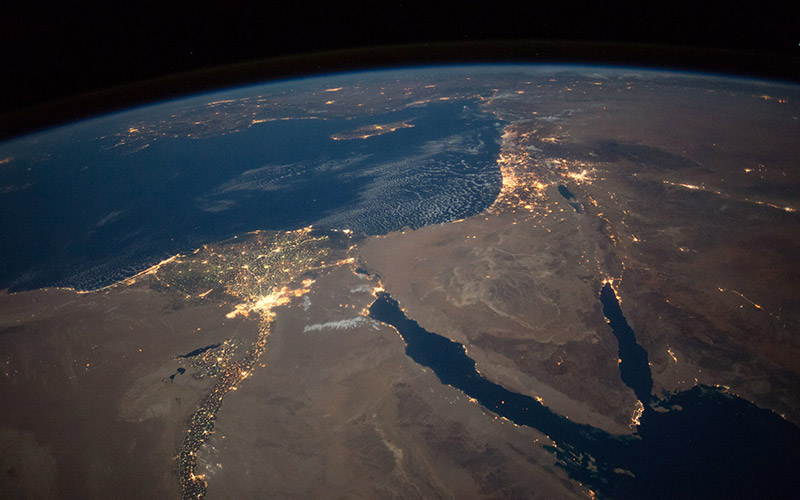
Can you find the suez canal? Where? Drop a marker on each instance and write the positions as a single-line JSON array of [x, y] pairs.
[[700, 443]]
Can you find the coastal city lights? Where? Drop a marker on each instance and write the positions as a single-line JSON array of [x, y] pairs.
[[257, 274]]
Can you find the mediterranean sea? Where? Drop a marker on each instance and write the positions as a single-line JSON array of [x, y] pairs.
[[90, 208]]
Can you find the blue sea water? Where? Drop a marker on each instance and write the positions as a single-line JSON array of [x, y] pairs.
[[696, 444], [79, 211]]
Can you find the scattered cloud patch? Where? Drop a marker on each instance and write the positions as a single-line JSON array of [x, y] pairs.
[[344, 324], [110, 217]]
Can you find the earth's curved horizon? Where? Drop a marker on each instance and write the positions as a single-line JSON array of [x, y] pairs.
[[211, 267]]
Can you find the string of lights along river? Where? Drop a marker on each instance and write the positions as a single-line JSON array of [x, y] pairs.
[[504, 204]]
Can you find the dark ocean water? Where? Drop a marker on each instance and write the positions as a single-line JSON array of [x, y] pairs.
[[700, 443], [634, 369], [78, 212]]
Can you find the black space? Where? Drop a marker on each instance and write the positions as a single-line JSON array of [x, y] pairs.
[[54, 50]]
